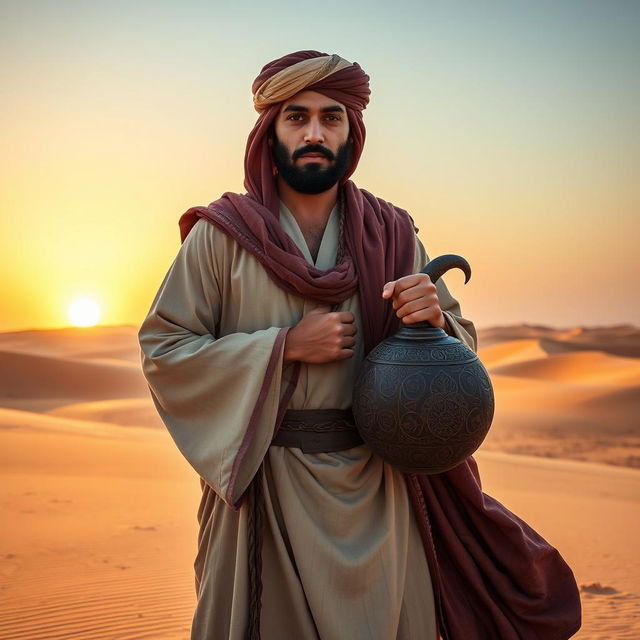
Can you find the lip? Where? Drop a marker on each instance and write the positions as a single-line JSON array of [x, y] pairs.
[[313, 156]]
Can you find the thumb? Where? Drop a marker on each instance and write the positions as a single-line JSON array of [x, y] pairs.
[[387, 290]]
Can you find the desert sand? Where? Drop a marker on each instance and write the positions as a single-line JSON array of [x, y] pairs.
[[99, 527]]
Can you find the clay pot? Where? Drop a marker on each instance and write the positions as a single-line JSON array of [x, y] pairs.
[[423, 401]]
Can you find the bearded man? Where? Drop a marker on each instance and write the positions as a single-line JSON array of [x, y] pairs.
[[251, 348]]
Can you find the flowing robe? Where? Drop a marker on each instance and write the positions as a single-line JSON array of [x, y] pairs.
[[342, 555]]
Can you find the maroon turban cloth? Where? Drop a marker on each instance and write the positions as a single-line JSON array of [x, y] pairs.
[[493, 576]]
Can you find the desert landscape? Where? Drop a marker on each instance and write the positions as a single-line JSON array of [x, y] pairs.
[[99, 527]]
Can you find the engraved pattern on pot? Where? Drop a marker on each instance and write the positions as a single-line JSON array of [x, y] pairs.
[[423, 400]]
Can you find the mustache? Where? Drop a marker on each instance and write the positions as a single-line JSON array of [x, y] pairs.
[[313, 148]]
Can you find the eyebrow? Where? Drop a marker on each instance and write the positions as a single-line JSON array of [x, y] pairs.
[[298, 107]]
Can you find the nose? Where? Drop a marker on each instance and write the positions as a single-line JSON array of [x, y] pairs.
[[313, 133]]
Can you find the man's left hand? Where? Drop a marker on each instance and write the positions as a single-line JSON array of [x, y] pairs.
[[415, 299]]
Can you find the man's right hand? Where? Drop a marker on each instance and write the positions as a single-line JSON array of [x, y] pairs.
[[321, 336]]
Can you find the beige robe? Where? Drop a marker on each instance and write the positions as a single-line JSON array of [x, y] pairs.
[[342, 556]]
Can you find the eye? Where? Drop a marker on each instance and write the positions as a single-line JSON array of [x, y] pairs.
[[333, 118], [295, 116]]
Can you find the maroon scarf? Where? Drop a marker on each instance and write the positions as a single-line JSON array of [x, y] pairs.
[[379, 247], [494, 578]]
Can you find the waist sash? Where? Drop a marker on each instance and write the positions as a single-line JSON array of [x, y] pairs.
[[318, 430]]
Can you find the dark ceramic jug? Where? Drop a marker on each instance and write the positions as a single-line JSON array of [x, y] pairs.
[[423, 401]]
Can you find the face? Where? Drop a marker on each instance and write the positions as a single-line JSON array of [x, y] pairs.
[[311, 146]]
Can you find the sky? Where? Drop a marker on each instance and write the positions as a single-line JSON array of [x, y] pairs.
[[509, 130]]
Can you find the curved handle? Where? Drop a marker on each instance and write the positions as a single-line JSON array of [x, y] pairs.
[[440, 265], [435, 269]]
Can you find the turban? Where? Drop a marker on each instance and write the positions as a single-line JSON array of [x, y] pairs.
[[282, 79]]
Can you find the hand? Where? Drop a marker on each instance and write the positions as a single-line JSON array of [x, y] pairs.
[[321, 336], [415, 299]]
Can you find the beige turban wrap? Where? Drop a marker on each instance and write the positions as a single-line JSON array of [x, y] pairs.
[[293, 79]]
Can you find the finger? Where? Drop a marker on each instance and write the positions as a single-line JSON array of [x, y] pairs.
[[410, 281], [427, 291], [348, 341], [387, 290], [344, 354], [346, 317], [428, 315], [416, 305], [349, 329]]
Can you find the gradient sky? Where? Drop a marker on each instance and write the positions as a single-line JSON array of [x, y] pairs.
[[509, 130]]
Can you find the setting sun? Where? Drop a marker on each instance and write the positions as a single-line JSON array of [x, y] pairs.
[[84, 312]]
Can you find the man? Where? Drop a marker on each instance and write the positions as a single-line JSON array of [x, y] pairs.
[[251, 348]]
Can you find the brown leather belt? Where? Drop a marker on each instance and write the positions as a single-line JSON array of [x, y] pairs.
[[318, 430]]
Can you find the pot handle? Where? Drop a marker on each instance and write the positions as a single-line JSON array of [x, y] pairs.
[[440, 265], [435, 269]]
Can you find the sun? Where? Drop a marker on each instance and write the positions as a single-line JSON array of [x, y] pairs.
[[84, 312]]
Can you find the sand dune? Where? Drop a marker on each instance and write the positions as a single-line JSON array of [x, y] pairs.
[[118, 342], [16, 419], [625, 402], [130, 411], [621, 340], [26, 376], [581, 405], [102, 508], [579, 366], [510, 351], [557, 434], [562, 402], [569, 397]]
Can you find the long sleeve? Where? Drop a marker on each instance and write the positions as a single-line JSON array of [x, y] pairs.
[[218, 395], [456, 325]]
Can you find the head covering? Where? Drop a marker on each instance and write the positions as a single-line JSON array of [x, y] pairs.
[[282, 79]]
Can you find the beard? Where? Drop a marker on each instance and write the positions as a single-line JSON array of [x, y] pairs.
[[311, 178]]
